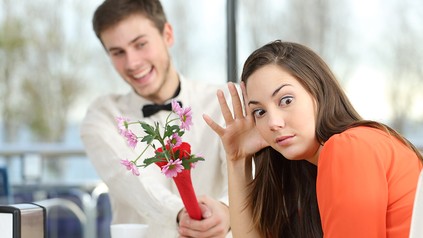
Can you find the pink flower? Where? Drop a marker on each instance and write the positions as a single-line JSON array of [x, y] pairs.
[[130, 166], [184, 114], [172, 168], [131, 138], [122, 124], [186, 118], [175, 106], [175, 140]]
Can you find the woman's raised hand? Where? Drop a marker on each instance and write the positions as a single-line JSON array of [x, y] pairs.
[[240, 137]]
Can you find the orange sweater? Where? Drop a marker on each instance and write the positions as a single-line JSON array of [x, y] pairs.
[[366, 184]]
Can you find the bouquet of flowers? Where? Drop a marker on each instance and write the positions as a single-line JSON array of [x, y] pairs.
[[173, 156]]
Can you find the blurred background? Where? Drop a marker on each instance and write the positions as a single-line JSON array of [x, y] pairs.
[[52, 66]]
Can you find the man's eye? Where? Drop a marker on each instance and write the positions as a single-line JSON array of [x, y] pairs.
[[117, 53], [141, 44], [285, 101]]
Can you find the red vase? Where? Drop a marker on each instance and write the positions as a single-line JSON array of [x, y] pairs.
[[183, 182], [186, 190]]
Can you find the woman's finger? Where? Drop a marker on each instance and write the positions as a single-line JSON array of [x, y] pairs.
[[245, 100], [213, 125], [236, 101], [224, 108]]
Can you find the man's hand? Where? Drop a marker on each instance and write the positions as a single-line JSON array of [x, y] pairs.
[[215, 222]]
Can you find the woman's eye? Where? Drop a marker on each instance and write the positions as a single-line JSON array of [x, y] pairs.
[[285, 101], [258, 112]]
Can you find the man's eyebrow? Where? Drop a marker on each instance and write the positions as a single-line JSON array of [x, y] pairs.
[[136, 38], [130, 42]]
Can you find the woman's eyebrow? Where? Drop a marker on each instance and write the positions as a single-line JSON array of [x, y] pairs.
[[279, 88], [273, 94]]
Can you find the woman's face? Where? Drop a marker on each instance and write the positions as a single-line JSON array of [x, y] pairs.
[[284, 112]]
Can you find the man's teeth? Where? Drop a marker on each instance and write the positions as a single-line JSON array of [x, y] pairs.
[[142, 74]]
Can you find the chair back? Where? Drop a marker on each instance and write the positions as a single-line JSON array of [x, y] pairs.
[[5, 195], [416, 230]]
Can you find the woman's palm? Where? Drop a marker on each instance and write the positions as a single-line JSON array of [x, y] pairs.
[[240, 137]]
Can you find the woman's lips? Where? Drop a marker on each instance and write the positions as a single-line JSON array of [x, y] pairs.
[[284, 140]]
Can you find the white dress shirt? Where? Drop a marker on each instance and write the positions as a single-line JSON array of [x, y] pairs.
[[152, 198]]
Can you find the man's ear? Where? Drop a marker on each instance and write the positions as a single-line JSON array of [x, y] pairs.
[[168, 34]]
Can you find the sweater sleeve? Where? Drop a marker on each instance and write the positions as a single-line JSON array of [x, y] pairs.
[[352, 190]]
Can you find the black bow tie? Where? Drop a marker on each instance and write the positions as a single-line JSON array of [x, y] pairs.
[[151, 109]]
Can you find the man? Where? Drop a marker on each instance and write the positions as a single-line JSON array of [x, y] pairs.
[[137, 38]]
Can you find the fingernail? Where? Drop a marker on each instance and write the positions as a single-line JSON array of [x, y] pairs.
[[207, 214]]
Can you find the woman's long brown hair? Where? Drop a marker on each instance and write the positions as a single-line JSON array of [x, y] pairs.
[[283, 193]]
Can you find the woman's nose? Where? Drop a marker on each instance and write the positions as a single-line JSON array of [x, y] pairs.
[[275, 120]]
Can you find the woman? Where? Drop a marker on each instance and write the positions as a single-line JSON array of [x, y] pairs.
[[319, 168]]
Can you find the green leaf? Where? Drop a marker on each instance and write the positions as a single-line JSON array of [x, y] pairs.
[[186, 164], [170, 130], [194, 159], [152, 160], [148, 129], [177, 154], [165, 154], [157, 129], [148, 139]]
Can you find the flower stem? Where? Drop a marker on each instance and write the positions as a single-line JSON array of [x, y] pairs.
[[139, 156]]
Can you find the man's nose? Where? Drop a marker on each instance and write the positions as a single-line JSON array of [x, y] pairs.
[[133, 60]]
